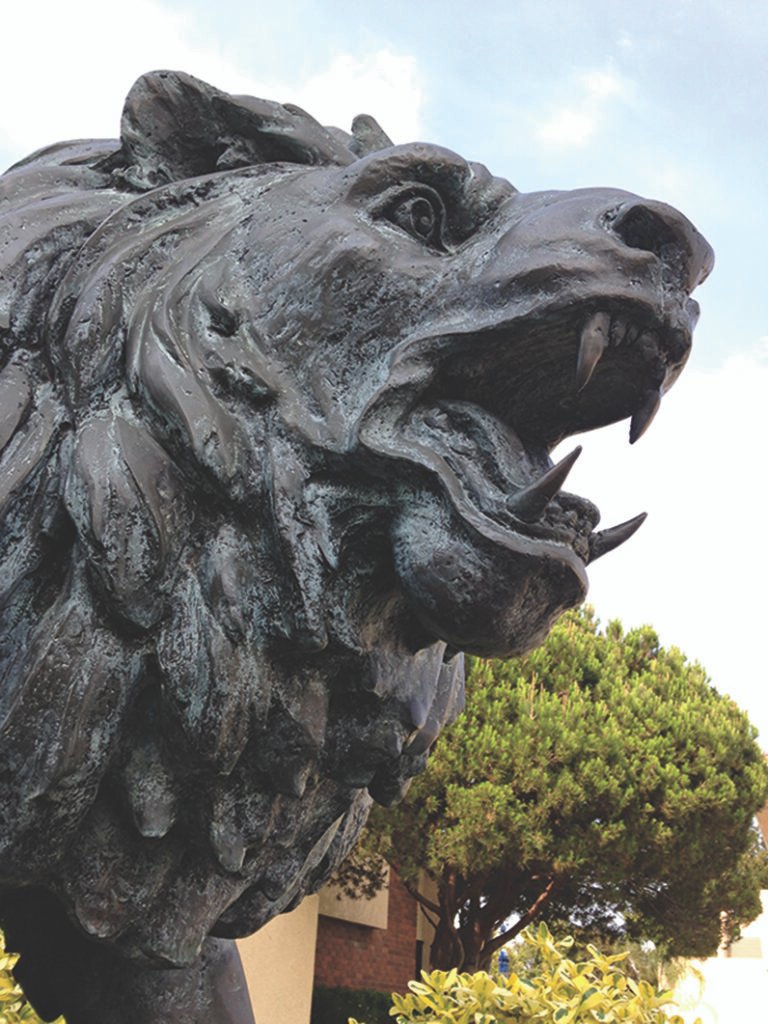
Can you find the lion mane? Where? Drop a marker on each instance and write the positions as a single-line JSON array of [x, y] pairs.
[[266, 391]]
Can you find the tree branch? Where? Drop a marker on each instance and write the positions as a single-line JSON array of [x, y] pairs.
[[413, 891], [531, 913], [433, 921]]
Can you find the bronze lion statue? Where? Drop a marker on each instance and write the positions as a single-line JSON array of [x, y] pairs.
[[276, 412]]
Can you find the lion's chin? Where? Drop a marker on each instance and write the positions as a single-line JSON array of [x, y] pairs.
[[490, 593]]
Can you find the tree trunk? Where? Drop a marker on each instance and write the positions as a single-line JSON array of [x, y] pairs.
[[446, 951], [476, 961], [470, 945]]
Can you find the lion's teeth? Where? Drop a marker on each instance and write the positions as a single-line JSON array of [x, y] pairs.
[[605, 541], [529, 504], [633, 333], [618, 331], [418, 712], [594, 339], [649, 406]]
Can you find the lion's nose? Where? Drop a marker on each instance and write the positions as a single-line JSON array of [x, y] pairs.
[[662, 230]]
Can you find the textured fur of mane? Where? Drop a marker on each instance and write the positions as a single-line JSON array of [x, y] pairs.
[[158, 595]]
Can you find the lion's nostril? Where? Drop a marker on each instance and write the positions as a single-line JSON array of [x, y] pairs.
[[642, 228], [656, 228]]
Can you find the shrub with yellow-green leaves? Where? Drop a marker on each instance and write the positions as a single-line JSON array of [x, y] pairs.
[[588, 991]]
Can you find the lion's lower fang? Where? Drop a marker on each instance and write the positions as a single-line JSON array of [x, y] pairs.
[[529, 504], [606, 540]]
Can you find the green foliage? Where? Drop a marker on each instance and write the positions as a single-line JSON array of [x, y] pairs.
[[14, 1008], [601, 780], [333, 1005], [642, 961], [595, 990]]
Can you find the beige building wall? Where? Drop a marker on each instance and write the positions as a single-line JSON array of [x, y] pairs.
[[279, 960], [374, 912], [279, 965]]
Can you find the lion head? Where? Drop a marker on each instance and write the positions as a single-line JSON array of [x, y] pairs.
[[276, 407]]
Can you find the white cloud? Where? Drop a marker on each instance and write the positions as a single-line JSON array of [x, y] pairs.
[[568, 127], [579, 119], [383, 84], [601, 85], [71, 64], [698, 568]]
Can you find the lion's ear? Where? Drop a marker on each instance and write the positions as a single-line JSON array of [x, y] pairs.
[[368, 136], [174, 126]]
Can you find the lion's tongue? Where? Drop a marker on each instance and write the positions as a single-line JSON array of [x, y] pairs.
[[487, 459]]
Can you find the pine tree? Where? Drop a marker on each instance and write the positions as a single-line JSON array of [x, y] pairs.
[[600, 780]]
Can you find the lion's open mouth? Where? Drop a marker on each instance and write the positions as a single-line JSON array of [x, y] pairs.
[[565, 375], [501, 399]]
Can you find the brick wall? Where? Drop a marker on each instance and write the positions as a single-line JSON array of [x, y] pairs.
[[355, 956]]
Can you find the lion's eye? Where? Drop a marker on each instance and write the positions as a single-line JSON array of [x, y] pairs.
[[422, 216]]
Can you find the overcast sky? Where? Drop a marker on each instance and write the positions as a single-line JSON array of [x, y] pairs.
[[666, 98]]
